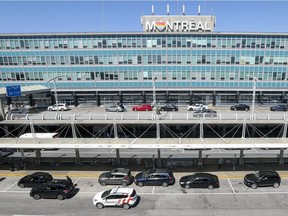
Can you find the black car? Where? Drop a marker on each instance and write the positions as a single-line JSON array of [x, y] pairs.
[[34, 179], [279, 108], [205, 113], [169, 107], [118, 176], [262, 178], [199, 180], [154, 177], [56, 189], [244, 107]]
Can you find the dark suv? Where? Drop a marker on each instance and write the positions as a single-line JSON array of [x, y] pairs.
[[56, 189], [262, 178], [118, 176], [162, 177]]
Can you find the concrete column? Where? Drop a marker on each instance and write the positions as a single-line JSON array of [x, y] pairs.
[[237, 97], [120, 97], [144, 96], [115, 130], [201, 135], [244, 130], [241, 158], [22, 154], [30, 100], [117, 156], [281, 156], [158, 158], [98, 102], [214, 98], [73, 130], [284, 130], [75, 100], [38, 156], [190, 98], [200, 160], [167, 97], [158, 130], [78, 159]]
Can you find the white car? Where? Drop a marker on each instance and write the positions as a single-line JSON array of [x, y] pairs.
[[197, 107], [61, 107], [122, 197]]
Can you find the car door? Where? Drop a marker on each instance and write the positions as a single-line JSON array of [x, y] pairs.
[[112, 200], [152, 180], [265, 180], [48, 191], [205, 182], [196, 183], [116, 179]]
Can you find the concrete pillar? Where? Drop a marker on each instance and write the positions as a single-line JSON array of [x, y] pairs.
[[190, 98], [38, 156], [120, 97], [117, 156], [157, 130], [241, 158], [115, 130], [30, 100], [201, 135], [78, 159], [200, 160], [284, 130], [214, 98], [75, 100], [144, 96], [167, 97], [73, 130], [244, 130], [98, 102], [158, 158], [281, 156], [237, 97], [22, 154]]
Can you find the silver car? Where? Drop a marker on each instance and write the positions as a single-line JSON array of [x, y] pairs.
[[114, 108]]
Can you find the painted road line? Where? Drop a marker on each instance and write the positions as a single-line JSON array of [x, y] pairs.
[[76, 181], [231, 186], [153, 189], [10, 186]]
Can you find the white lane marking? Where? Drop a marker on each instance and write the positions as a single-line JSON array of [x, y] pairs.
[[231, 186], [112, 151], [76, 180], [10, 186], [153, 189]]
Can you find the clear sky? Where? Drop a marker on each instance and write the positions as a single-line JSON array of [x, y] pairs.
[[124, 16]]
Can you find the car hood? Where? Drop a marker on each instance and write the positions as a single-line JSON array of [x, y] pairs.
[[251, 177], [139, 176], [98, 196]]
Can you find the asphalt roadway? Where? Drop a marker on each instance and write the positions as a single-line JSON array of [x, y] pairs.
[[232, 198]]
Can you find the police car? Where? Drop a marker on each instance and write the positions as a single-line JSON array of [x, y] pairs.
[[122, 197]]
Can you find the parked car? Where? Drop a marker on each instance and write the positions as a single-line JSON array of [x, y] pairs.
[[118, 176], [196, 107], [142, 107], [122, 106], [56, 189], [21, 110], [240, 107], [200, 180], [34, 179], [121, 197], [279, 108], [169, 107], [114, 108], [262, 178], [162, 177], [205, 113], [60, 107]]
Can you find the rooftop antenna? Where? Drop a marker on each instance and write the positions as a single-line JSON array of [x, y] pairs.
[[167, 9], [183, 9], [153, 10], [198, 10]]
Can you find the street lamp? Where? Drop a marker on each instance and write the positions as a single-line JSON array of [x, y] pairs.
[[55, 90], [255, 79]]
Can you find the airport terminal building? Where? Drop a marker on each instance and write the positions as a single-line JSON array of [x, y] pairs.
[[182, 55]]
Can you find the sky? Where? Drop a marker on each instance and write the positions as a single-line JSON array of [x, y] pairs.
[[124, 16]]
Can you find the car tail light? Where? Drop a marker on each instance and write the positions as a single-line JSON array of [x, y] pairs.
[[66, 191], [126, 177]]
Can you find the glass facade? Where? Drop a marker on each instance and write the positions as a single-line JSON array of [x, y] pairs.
[[204, 62]]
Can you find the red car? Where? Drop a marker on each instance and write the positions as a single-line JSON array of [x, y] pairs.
[[142, 107]]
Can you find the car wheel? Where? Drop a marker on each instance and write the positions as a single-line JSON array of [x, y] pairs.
[[21, 185], [126, 206], [164, 184], [210, 187], [117, 110], [146, 110], [234, 109], [173, 110], [187, 186], [140, 184], [36, 196], [60, 197], [190, 109], [50, 109], [103, 183], [62, 109], [99, 205], [276, 185], [246, 109], [254, 186], [124, 184]]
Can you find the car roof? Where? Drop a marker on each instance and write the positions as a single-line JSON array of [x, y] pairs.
[[269, 172], [40, 173], [120, 170], [203, 175]]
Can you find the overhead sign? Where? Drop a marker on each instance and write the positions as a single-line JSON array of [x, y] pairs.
[[178, 23], [13, 91]]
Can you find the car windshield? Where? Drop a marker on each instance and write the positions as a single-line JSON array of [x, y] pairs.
[[146, 174], [106, 193], [257, 174]]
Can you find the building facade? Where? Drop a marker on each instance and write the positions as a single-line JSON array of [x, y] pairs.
[[188, 64]]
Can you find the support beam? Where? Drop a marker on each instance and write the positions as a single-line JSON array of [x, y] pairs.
[[244, 130], [22, 154], [158, 158], [200, 160], [157, 130], [117, 156], [77, 154], [201, 135], [241, 158], [38, 156], [115, 130], [284, 130], [281, 156]]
